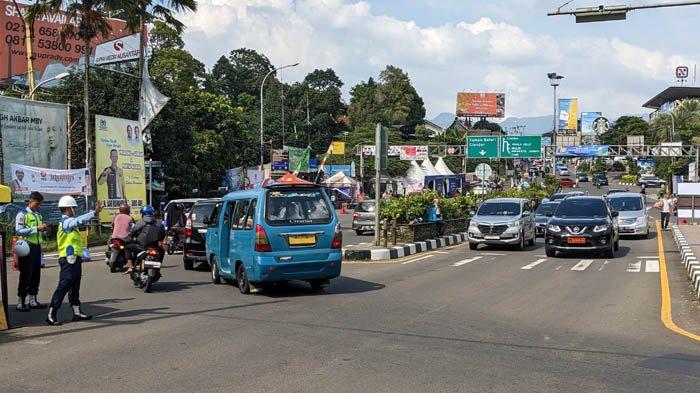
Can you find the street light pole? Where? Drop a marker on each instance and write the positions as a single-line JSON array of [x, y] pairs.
[[55, 78], [554, 81], [262, 109]]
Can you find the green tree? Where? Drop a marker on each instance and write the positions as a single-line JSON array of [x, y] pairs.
[[487, 125], [624, 127], [364, 108], [400, 104]]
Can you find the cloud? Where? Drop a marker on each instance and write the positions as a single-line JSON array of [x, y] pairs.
[[479, 54]]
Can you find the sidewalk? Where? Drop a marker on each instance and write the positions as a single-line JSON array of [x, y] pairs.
[[367, 252], [687, 239]]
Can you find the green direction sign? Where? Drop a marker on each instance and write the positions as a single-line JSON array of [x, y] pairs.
[[521, 147], [482, 147]]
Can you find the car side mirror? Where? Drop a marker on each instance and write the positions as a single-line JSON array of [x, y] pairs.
[[615, 214], [549, 214], [472, 213], [526, 213]]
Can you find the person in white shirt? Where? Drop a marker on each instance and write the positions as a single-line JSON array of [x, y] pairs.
[[666, 207]]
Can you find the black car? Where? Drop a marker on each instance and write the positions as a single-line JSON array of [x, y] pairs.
[[582, 177], [582, 224], [650, 181], [599, 179], [194, 247]]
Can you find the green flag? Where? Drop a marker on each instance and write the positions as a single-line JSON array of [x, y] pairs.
[[299, 159]]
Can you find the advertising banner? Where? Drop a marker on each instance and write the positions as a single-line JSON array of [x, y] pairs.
[[481, 104], [338, 148], [568, 113], [582, 151], [587, 119], [118, 50], [280, 160], [412, 153], [298, 159], [27, 179], [33, 133], [235, 178], [121, 174], [392, 151], [47, 44]]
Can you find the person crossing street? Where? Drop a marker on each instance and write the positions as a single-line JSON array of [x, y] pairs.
[[30, 226], [70, 251]]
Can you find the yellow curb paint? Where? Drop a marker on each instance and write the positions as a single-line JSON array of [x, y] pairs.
[[3, 319], [666, 316]]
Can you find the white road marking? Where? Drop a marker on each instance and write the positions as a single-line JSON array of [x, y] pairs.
[[652, 257], [582, 265], [634, 267], [533, 264], [417, 259], [492, 254], [541, 256], [465, 261], [652, 266], [603, 266], [559, 267], [441, 252]]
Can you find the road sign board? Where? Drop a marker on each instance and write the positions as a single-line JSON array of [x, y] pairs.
[[682, 72], [483, 171], [521, 147], [482, 147]]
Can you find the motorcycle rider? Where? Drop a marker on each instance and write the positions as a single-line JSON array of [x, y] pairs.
[[148, 233], [122, 223]]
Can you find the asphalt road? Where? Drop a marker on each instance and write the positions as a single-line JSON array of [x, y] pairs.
[[494, 320]]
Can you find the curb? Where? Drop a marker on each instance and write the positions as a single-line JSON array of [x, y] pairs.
[[404, 250], [688, 259]]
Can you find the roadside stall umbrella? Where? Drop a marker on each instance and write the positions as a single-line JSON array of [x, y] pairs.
[[287, 179]]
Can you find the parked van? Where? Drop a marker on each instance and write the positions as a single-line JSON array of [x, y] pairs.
[[284, 231]]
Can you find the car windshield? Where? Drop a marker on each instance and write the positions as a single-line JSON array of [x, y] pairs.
[[581, 208], [557, 197], [365, 207], [499, 209], [600, 176], [626, 204], [199, 212], [297, 207], [545, 208]]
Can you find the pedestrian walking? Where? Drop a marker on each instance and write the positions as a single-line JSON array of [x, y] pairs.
[[70, 251], [665, 204], [30, 226]]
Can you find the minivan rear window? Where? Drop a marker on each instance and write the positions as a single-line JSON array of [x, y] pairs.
[[296, 207], [365, 207], [200, 211]]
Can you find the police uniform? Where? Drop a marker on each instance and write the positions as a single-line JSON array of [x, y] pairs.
[[70, 251], [26, 226]]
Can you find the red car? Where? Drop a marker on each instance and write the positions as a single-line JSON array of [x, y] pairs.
[[566, 182]]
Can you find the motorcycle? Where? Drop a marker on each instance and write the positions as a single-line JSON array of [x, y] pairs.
[[173, 242], [146, 269], [116, 254]]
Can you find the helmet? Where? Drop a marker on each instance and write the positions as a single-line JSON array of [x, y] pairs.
[[147, 210], [67, 201], [21, 248]]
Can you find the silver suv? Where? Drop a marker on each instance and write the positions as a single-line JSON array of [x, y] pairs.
[[502, 221]]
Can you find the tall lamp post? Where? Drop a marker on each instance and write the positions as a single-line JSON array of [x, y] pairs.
[[554, 81], [262, 109], [55, 78]]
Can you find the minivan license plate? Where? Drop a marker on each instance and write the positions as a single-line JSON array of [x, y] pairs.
[[576, 240], [302, 240]]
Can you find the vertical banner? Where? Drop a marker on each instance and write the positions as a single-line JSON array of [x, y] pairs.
[[568, 113], [587, 119], [33, 133], [121, 173]]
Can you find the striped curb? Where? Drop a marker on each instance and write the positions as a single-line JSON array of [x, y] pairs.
[[403, 250], [688, 259]]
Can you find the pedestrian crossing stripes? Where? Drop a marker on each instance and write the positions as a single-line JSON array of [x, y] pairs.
[[638, 266], [533, 264], [583, 265]]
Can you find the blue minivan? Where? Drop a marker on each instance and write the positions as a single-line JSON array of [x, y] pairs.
[[281, 232]]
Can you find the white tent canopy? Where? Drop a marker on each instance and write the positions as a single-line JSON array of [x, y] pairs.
[[442, 168], [429, 169], [340, 179]]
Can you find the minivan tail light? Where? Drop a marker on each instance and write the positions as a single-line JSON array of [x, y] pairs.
[[152, 252], [337, 238], [188, 227], [356, 215], [261, 242]]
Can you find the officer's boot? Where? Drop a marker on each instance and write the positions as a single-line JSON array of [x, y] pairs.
[[79, 316], [52, 318], [21, 305], [34, 304]]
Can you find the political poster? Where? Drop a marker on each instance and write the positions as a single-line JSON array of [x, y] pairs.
[[33, 133], [121, 174], [412, 153], [568, 113], [27, 179], [587, 120]]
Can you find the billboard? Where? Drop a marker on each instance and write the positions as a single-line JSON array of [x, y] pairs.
[[121, 173], [587, 120], [481, 104], [47, 46], [568, 113], [27, 179], [117, 50], [33, 133], [582, 151], [412, 153]]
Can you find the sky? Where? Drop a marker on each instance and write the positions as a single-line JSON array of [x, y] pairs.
[[447, 46]]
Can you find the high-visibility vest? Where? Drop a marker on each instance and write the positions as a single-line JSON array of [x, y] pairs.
[[67, 239], [32, 220]]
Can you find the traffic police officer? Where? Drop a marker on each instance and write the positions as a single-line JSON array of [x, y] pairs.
[[30, 226], [70, 251]]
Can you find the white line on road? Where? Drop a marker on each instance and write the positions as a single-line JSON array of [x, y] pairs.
[[634, 267], [492, 254], [600, 269], [533, 264], [652, 266], [560, 266], [652, 257], [582, 265], [465, 261], [417, 259], [441, 252], [541, 256]]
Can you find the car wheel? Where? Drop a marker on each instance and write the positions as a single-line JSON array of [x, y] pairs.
[[242, 278], [610, 253], [473, 246], [359, 233], [616, 245], [531, 242], [646, 235], [189, 264], [521, 244], [319, 285], [215, 277], [550, 253]]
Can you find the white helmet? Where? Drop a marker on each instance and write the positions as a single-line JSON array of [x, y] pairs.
[[21, 248], [67, 201]]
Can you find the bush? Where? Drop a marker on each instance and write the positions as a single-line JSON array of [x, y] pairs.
[[618, 166], [629, 179], [405, 210]]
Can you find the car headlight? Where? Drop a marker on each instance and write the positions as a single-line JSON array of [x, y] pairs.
[[554, 228], [600, 228], [641, 220]]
